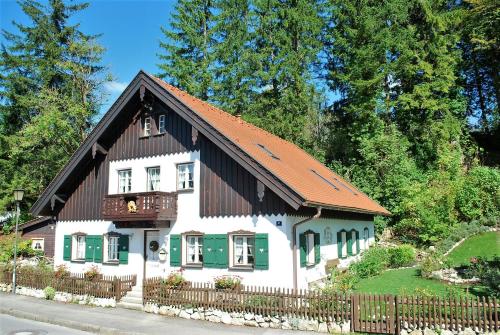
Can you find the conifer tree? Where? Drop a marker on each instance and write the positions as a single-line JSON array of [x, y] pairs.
[[187, 50], [50, 79]]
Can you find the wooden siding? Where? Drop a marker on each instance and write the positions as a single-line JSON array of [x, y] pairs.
[[226, 188], [45, 230], [123, 140]]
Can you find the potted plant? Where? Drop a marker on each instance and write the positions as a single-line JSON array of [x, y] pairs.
[[174, 280], [228, 283], [93, 273]]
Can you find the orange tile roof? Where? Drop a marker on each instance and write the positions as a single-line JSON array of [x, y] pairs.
[[309, 178]]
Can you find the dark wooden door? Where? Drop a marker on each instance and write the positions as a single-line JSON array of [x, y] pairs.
[[373, 313]]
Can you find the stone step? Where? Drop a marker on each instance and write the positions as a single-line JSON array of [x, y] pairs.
[[137, 307], [132, 300], [135, 294]]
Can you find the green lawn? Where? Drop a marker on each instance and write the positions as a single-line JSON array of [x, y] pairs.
[[484, 245], [402, 281]]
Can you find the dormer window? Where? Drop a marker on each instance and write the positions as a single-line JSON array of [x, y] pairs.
[[147, 126], [162, 124]]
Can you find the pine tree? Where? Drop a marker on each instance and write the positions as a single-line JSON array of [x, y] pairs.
[[187, 58], [50, 79]]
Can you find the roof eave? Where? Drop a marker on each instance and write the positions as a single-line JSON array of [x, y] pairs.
[[348, 209]]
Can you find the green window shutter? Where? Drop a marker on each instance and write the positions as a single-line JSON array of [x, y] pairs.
[[98, 248], [339, 244], [175, 250], [357, 242], [261, 252], [209, 251], [67, 248], [221, 252], [349, 243], [123, 249], [89, 248], [303, 251], [317, 249]]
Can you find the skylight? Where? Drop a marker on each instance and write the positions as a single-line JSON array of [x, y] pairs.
[[325, 180], [267, 151], [345, 186]]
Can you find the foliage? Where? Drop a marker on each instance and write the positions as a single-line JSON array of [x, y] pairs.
[[61, 272], [24, 249], [50, 91], [433, 261], [174, 280], [401, 255], [227, 282], [92, 273], [485, 245], [488, 272], [261, 301], [342, 281], [49, 293], [372, 262]]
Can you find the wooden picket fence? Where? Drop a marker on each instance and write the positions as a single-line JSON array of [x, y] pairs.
[[368, 313], [75, 283]]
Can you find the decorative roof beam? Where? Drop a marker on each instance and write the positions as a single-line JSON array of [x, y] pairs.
[[97, 148], [57, 197]]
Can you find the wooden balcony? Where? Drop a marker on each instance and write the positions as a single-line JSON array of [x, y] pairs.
[[145, 206]]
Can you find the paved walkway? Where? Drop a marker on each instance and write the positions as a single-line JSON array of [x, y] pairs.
[[118, 320]]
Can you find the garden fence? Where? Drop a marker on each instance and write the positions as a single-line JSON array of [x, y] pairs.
[[367, 312], [76, 283]]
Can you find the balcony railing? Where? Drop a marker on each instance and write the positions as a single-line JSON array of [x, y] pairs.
[[145, 206]]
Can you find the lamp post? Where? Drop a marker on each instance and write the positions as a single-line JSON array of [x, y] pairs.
[[18, 197]]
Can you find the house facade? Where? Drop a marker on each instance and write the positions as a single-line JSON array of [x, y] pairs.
[[168, 182]]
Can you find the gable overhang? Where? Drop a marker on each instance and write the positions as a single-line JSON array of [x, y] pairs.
[[290, 196]]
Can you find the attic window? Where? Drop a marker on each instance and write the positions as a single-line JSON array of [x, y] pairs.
[[267, 151], [345, 186], [325, 180]]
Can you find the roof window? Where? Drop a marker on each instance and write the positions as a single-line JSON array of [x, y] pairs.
[[325, 180], [267, 151]]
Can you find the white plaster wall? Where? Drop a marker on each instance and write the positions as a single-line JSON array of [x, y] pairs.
[[188, 218], [328, 246]]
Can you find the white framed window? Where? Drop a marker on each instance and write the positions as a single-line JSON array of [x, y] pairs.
[[112, 248], [147, 126], [366, 237], [185, 180], [162, 124], [243, 250], [125, 181], [79, 250], [310, 259], [37, 243], [194, 249], [153, 181]]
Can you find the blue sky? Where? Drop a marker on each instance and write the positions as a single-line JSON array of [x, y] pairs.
[[130, 33]]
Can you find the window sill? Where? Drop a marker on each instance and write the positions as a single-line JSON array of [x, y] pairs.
[[144, 136], [185, 190], [242, 267], [77, 261], [159, 134], [111, 263], [191, 266]]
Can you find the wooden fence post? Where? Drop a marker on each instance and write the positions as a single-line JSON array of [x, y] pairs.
[[118, 287], [396, 315]]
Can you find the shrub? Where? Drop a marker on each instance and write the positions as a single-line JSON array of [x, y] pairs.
[[174, 280], [402, 255], [488, 272], [340, 281], [227, 282], [61, 272], [460, 232], [372, 262], [49, 292], [92, 273], [24, 249], [431, 262]]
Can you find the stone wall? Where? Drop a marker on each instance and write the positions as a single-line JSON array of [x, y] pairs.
[[61, 296], [249, 319]]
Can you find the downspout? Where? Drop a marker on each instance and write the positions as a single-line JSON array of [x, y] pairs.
[[294, 239]]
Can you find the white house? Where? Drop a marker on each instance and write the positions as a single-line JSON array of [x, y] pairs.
[[166, 181]]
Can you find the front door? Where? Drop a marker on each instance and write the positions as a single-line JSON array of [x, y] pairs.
[[151, 250]]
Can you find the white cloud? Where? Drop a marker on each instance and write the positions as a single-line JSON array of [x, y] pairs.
[[115, 86]]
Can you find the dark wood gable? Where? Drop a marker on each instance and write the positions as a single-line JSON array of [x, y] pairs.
[[123, 140]]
